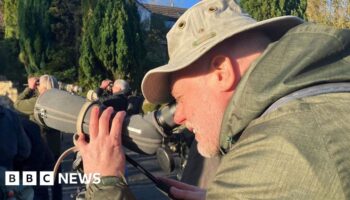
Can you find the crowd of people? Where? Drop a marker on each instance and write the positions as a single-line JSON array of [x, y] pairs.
[[33, 147], [28, 146]]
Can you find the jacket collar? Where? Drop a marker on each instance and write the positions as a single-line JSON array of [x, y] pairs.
[[306, 55]]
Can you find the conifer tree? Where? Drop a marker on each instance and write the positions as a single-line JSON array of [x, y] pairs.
[[11, 68], [63, 51], [265, 9], [11, 19], [1, 16], [111, 42], [33, 33], [48, 37]]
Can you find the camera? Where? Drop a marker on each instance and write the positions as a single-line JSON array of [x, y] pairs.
[[109, 88], [69, 113]]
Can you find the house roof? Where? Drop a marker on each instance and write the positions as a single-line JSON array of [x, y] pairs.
[[172, 12]]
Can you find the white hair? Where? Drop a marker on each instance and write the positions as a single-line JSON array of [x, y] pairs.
[[124, 85], [48, 81]]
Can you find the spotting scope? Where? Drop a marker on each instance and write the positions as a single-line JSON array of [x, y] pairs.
[[70, 113]]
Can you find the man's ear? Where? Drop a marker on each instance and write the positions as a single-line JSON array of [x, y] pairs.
[[224, 73]]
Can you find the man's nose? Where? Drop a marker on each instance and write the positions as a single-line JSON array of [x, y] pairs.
[[179, 117]]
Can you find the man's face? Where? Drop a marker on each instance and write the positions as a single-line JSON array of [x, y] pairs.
[[199, 108]]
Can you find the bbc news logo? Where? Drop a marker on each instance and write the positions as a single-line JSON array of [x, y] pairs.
[[46, 178]]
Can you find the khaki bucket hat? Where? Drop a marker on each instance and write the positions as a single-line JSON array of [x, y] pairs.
[[198, 30]]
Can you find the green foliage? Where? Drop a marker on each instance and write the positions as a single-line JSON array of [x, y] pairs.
[[50, 40], [112, 44], [136, 42], [1, 18], [63, 53], [10, 65], [109, 44], [91, 70], [87, 7], [34, 33], [265, 9], [11, 18]]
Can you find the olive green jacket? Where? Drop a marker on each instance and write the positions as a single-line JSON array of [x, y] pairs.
[[299, 151], [25, 105], [26, 101]]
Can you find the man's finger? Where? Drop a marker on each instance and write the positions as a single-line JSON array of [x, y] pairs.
[[117, 126], [93, 124], [104, 122]]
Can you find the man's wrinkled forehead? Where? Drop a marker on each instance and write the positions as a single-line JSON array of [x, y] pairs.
[[198, 68], [176, 77]]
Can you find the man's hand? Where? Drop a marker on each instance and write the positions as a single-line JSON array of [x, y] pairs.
[[105, 84], [104, 153], [32, 82], [185, 191]]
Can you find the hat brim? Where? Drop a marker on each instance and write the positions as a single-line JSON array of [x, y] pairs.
[[156, 84]]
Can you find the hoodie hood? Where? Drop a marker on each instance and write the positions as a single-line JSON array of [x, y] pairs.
[[307, 55]]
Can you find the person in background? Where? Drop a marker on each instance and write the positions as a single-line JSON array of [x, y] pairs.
[[118, 95], [109, 87], [15, 147], [25, 105], [36, 86], [26, 102], [39, 155], [15, 144], [40, 158], [113, 94]]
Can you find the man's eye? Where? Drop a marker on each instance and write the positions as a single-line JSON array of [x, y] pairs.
[[178, 100]]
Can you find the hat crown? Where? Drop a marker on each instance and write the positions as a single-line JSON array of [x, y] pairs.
[[201, 28], [201, 23]]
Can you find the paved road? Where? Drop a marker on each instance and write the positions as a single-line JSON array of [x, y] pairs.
[[142, 187]]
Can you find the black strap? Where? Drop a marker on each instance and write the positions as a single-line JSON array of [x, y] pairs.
[[163, 187]]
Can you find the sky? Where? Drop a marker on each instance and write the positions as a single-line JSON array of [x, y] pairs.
[[177, 3]]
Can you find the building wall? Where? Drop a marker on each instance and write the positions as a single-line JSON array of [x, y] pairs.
[[145, 17]]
